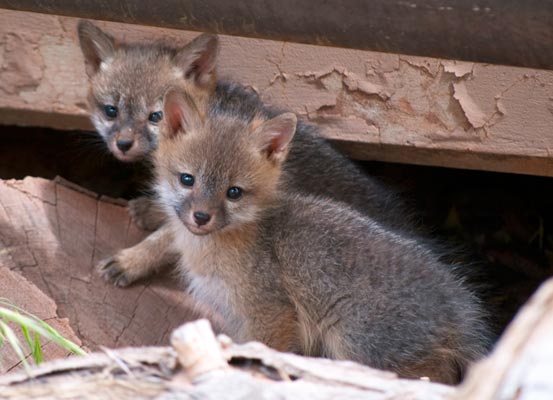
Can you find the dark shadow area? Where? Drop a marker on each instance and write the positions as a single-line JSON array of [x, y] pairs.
[[80, 157], [503, 223]]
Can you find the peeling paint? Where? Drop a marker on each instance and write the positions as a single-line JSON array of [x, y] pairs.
[[315, 75], [473, 113], [428, 66], [501, 109], [332, 82], [355, 83], [22, 65], [333, 77], [458, 68], [385, 63]]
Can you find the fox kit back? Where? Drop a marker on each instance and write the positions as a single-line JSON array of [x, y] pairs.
[[303, 273]]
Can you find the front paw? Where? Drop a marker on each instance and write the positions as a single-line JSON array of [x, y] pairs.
[[145, 213], [113, 271]]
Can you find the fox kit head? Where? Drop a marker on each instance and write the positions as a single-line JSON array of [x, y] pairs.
[[218, 171], [127, 84]]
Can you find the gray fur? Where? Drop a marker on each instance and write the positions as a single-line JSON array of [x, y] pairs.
[[314, 167], [307, 273]]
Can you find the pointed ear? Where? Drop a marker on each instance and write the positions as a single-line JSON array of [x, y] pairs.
[[198, 59], [180, 113], [97, 46], [275, 135]]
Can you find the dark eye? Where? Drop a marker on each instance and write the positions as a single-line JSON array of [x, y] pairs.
[[111, 111], [187, 180], [155, 117], [234, 193]]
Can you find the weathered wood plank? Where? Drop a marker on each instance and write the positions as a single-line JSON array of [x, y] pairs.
[[492, 31], [520, 367], [375, 106]]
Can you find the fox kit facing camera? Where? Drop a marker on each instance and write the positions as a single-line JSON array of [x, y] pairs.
[[302, 273], [127, 83]]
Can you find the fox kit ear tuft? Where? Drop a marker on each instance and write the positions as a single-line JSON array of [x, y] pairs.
[[274, 136], [198, 59], [97, 46], [180, 113]]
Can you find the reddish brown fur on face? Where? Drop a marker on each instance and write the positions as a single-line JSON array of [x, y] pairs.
[[219, 155]]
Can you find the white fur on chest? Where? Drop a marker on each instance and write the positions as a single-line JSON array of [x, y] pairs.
[[201, 266], [215, 293]]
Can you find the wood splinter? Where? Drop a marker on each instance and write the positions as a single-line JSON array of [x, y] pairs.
[[197, 349]]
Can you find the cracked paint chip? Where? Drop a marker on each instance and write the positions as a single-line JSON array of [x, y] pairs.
[[501, 109], [472, 112], [322, 73], [459, 69], [354, 83]]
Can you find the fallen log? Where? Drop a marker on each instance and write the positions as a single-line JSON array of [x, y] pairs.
[[521, 366], [200, 367], [29, 297]]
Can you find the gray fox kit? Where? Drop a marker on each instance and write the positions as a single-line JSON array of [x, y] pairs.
[[127, 83], [300, 272], [373, 295]]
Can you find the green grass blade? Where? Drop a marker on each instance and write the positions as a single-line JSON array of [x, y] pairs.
[[15, 344], [52, 333], [41, 328], [27, 337], [37, 350]]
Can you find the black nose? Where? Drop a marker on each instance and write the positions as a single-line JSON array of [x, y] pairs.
[[124, 144], [201, 218]]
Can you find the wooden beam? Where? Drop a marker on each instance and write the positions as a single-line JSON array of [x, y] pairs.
[[491, 31], [375, 106]]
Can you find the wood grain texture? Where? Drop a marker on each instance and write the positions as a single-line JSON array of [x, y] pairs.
[[491, 31], [387, 107], [521, 365], [54, 233], [24, 294]]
